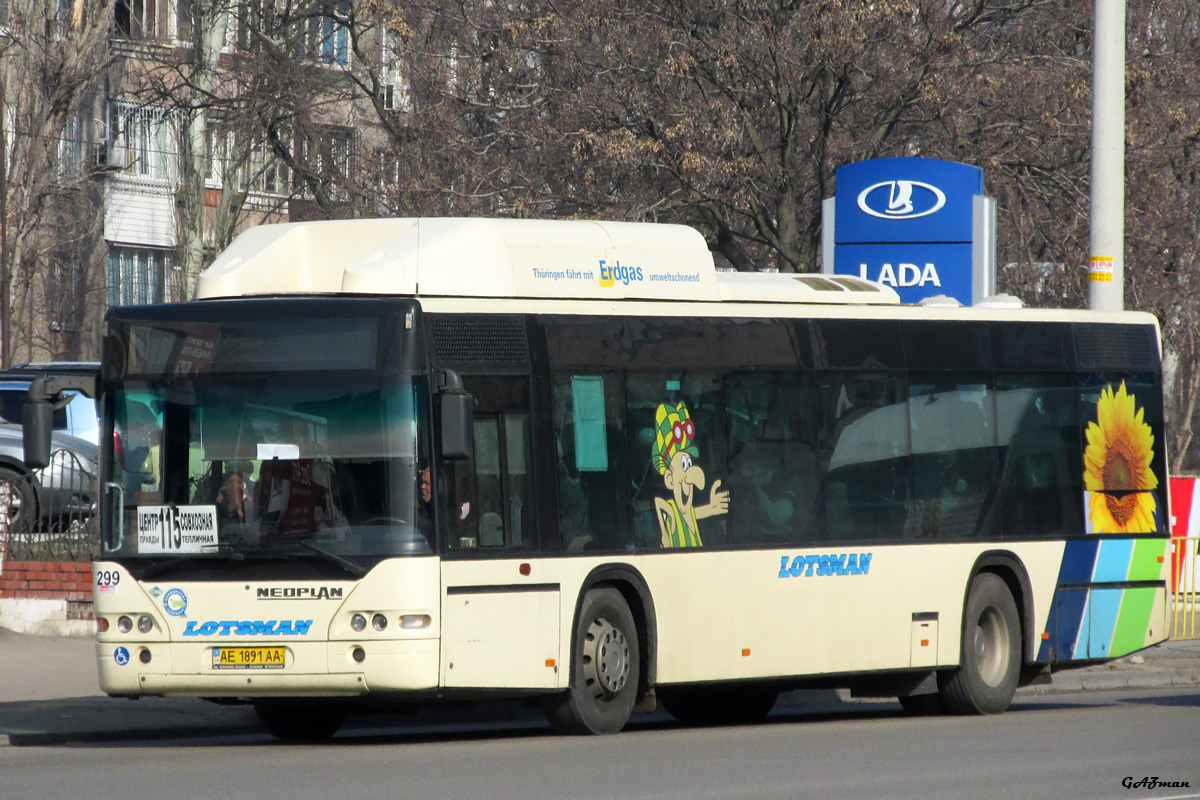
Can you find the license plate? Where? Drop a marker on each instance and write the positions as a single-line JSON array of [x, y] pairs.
[[248, 657]]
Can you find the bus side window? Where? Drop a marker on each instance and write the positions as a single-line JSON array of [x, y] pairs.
[[866, 487], [493, 495], [773, 469], [952, 426], [592, 513], [503, 480], [1041, 467]]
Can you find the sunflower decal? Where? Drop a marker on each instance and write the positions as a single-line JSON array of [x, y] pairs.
[[1119, 451]]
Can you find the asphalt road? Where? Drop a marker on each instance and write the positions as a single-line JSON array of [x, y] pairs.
[[1084, 744]]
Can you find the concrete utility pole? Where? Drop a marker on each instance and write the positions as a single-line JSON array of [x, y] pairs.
[[1106, 273]]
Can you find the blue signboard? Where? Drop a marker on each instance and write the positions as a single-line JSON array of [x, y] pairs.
[[908, 223]]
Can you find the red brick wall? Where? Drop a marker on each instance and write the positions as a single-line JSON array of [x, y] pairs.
[[51, 580]]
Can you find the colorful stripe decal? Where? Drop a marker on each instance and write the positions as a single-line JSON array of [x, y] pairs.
[[1088, 621], [1079, 561], [1112, 562], [1099, 621], [1134, 621]]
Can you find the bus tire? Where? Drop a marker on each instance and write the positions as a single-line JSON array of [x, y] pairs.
[[298, 721], [606, 668], [719, 705], [986, 678]]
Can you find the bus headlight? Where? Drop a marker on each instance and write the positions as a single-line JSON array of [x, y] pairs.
[[145, 623], [379, 622], [124, 624], [358, 622]]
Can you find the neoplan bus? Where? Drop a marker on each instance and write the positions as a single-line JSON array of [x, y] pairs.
[[406, 462]]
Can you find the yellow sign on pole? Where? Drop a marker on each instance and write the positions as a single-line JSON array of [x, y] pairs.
[[1101, 269]]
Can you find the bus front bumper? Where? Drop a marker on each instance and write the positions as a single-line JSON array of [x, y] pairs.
[[311, 669]]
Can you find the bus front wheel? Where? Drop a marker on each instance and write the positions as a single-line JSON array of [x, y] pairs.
[[986, 678], [605, 669], [296, 721]]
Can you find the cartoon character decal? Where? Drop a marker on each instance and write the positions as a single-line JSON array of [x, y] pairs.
[[674, 457]]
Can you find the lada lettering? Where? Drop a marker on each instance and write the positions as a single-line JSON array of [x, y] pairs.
[[300, 593], [908, 275], [611, 273], [822, 565], [283, 627]]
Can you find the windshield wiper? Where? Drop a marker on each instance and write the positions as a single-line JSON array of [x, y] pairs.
[[154, 568], [236, 553], [347, 563]]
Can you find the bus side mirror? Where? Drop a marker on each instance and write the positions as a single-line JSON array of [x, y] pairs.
[[47, 394], [458, 426], [37, 422]]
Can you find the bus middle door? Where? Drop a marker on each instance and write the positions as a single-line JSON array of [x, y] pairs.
[[501, 628]]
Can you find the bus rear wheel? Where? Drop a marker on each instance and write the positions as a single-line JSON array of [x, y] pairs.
[[605, 669], [298, 721], [986, 678]]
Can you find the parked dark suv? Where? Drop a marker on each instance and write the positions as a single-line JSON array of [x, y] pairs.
[[49, 498]]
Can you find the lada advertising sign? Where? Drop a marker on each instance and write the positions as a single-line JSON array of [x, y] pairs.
[[908, 223]]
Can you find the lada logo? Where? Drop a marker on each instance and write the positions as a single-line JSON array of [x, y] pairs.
[[901, 199]]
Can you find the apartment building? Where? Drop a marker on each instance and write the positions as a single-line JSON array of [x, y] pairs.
[[175, 125]]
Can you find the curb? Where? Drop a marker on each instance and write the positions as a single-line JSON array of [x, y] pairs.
[[1101, 681]]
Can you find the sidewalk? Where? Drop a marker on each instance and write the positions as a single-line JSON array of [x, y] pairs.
[[50, 695]]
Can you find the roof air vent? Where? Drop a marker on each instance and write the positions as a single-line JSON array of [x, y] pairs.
[[940, 301], [1000, 301]]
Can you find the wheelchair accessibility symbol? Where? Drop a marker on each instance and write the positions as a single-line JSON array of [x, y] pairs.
[[121, 656]]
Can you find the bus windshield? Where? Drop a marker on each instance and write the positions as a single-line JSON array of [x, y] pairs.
[[262, 457]]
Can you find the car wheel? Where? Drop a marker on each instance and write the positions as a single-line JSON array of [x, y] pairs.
[[22, 502]]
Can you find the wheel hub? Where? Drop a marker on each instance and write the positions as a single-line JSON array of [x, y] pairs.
[[991, 646], [605, 659]]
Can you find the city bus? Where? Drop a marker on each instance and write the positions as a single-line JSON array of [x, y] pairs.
[[383, 464]]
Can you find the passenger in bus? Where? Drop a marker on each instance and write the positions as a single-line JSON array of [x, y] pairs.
[[950, 505], [764, 504], [234, 496], [425, 500], [141, 438], [673, 457]]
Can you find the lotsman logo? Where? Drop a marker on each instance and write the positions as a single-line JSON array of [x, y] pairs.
[[283, 627], [901, 199]]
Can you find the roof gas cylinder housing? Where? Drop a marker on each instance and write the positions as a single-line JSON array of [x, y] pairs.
[[505, 258]]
